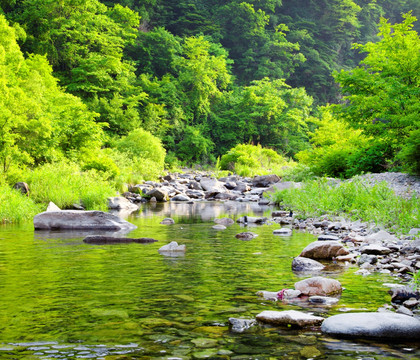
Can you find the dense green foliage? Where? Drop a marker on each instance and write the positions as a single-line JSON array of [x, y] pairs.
[[353, 200], [112, 86], [250, 160]]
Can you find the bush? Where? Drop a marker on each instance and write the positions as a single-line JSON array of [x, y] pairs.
[[65, 184], [250, 160], [143, 145], [410, 153], [353, 199], [16, 207], [103, 163]]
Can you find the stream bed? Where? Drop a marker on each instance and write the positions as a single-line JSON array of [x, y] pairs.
[[63, 299]]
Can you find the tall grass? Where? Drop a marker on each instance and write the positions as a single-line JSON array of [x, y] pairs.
[[15, 207], [354, 200], [65, 184]]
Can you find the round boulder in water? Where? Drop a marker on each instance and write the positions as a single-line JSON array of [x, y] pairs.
[[373, 325]]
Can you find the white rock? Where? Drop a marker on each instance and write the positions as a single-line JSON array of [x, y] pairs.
[[289, 317], [283, 232]]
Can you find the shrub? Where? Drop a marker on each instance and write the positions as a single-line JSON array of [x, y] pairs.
[[250, 160], [143, 145], [16, 207], [353, 199], [103, 163], [65, 184]]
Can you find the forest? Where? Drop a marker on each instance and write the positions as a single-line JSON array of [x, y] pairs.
[[124, 89]]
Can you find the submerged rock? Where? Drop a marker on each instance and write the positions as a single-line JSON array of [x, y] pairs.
[[167, 221], [283, 232], [246, 235], [172, 247], [219, 227], [251, 220], [224, 221], [373, 325], [103, 240], [318, 286], [80, 220], [323, 300], [289, 317], [241, 325]]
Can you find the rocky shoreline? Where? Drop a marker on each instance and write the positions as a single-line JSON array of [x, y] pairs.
[[370, 247]]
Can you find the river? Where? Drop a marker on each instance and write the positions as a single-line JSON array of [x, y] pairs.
[[61, 298]]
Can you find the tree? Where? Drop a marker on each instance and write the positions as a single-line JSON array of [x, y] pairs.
[[38, 121], [381, 95], [270, 113]]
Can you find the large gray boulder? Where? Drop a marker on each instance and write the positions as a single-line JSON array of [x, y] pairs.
[[289, 317], [80, 220], [121, 203], [318, 285], [265, 180], [324, 250], [373, 325], [158, 194], [212, 185]]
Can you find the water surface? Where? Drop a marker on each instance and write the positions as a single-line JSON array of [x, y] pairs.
[[61, 298]]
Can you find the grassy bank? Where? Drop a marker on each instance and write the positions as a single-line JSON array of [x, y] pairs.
[[354, 200], [63, 183]]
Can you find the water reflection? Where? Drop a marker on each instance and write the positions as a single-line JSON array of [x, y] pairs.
[[202, 210]]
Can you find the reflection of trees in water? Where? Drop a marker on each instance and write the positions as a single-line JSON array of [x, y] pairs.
[[201, 211]]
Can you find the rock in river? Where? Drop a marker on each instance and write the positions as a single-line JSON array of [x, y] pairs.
[[304, 264], [172, 247], [108, 240], [373, 325], [324, 250], [240, 325], [246, 235], [318, 286], [289, 317], [80, 220]]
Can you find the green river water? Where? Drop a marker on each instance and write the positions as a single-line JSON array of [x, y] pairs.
[[63, 299]]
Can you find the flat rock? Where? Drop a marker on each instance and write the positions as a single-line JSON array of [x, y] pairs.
[[224, 221], [212, 185], [246, 235], [373, 325], [380, 236], [318, 285], [104, 240], [324, 250], [328, 238], [289, 317], [80, 220], [304, 264], [219, 227], [374, 249], [283, 232]]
